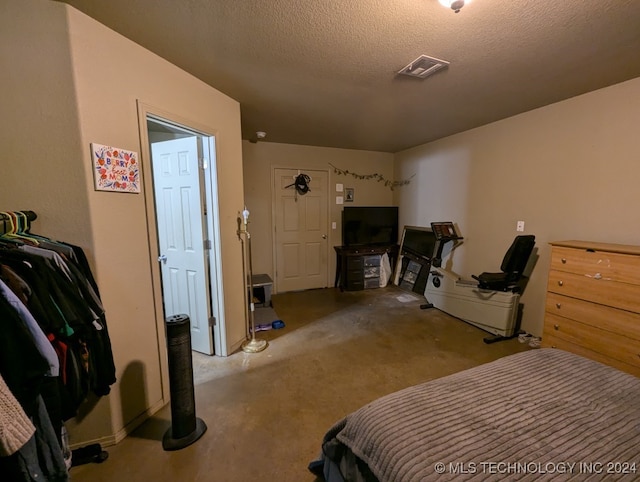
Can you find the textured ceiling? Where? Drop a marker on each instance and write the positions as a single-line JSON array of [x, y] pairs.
[[323, 72]]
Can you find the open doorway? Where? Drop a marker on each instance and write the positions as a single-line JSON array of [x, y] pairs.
[[185, 242]]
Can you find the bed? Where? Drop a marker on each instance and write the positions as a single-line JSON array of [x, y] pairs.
[[541, 414]]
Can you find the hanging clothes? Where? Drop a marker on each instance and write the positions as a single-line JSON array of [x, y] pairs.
[[39, 338], [15, 427], [41, 457], [26, 372], [55, 347], [67, 307]]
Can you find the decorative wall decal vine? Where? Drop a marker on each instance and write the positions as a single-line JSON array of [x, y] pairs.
[[378, 177]]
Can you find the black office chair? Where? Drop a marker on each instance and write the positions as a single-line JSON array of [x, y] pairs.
[[513, 264]]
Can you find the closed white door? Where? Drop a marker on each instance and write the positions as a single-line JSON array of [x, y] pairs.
[[301, 245], [180, 220]]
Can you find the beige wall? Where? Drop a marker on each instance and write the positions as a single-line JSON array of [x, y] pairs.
[[39, 128], [70, 81], [569, 170], [259, 160]]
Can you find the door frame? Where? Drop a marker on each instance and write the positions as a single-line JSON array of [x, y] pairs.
[[274, 200], [212, 231], [180, 233]]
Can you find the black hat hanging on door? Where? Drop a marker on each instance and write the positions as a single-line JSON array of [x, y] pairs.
[[301, 184]]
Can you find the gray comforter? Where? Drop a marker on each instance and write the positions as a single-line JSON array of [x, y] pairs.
[[542, 414]]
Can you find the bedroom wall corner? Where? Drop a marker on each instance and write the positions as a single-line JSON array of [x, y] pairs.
[[109, 115], [42, 155], [259, 159], [59, 106], [569, 170]]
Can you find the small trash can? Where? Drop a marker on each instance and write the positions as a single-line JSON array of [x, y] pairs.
[[185, 428]]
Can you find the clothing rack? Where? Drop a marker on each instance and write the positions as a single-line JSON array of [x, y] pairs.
[[12, 219], [55, 349]]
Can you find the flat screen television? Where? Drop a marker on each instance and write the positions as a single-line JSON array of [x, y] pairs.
[[418, 241], [369, 225]]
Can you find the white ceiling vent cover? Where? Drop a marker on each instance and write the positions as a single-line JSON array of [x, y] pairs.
[[424, 66]]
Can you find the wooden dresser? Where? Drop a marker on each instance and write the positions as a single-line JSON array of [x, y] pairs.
[[358, 267], [593, 302]]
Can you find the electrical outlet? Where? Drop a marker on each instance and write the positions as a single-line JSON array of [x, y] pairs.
[[520, 226]]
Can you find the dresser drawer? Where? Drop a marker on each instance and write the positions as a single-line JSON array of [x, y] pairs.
[[622, 322], [610, 344], [355, 262], [371, 283], [372, 260], [604, 291], [354, 284], [372, 272], [555, 342], [604, 265]]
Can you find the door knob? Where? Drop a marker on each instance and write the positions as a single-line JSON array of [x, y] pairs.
[[162, 258], [324, 236]]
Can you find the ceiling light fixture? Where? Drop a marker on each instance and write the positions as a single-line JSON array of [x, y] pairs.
[[454, 5]]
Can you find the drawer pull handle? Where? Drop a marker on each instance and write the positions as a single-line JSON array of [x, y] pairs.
[[558, 305], [564, 260], [597, 276], [560, 283], [556, 327]]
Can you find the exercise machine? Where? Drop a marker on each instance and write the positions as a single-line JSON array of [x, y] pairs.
[[444, 232], [489, 301]]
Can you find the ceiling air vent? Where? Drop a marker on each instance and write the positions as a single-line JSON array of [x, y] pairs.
[[423, 67]]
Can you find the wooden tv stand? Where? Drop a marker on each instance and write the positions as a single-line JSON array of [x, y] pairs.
[[358, 267]]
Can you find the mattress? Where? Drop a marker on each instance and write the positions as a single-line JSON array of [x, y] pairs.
[[541, 414]]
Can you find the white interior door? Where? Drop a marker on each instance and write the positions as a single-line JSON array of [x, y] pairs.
[[301, 243], [179, 209]]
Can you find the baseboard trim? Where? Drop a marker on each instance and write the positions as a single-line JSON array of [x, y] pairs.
[[121, 434], [237, 346]]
